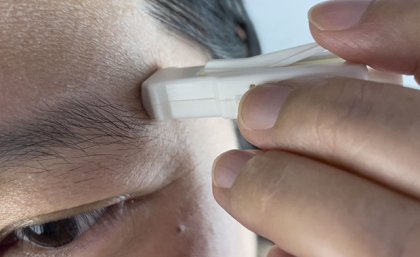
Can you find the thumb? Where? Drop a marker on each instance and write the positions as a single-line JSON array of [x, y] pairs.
[[308, 208], [381, 33]]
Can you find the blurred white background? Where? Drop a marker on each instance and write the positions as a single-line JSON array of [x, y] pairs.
[[281, 23], [284, 23]]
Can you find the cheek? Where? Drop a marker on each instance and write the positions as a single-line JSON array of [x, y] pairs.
[[173, 222]]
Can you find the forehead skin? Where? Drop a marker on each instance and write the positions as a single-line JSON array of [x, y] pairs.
[[50, 48]]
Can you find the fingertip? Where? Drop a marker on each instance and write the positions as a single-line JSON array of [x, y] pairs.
[[228, 166], [277, 252], [338, 15], [351, 29], [260, 107], [222, 197]]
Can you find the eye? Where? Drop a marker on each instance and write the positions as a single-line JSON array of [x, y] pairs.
[[54, 234], [59, 233]]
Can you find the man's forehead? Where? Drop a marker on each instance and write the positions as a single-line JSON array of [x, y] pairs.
[[53, 48]]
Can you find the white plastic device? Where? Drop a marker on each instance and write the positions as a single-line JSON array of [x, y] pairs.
[[217, 89]]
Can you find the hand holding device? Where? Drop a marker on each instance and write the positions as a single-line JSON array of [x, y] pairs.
[[339, 171]]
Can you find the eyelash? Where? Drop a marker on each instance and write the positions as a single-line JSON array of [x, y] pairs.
[[81, 223]]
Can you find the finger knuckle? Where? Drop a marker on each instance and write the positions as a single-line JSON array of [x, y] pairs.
[[263, 184], [337, 106], [352, 104]]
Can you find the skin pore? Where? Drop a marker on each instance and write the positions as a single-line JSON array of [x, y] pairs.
[[75, 139]]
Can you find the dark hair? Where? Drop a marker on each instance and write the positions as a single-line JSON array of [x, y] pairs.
[[214, 24]]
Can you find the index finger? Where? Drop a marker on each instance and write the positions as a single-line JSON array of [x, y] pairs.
[[365, 127]]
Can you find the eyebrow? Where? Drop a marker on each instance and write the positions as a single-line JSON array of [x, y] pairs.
[[74, 124]]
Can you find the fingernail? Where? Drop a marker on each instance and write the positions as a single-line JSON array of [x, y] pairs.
[[261, 106], [338, 15], [228, 166]]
